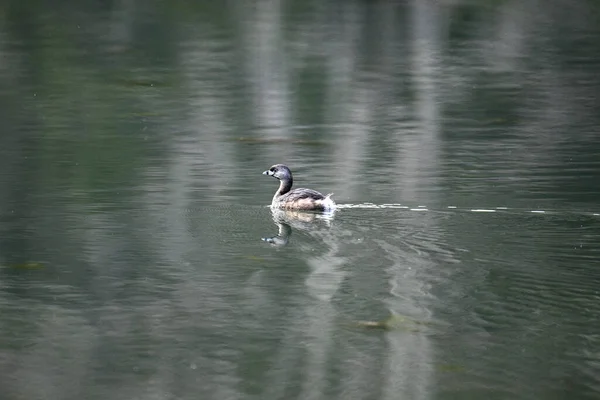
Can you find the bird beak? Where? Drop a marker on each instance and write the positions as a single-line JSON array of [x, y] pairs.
[[267, 172]]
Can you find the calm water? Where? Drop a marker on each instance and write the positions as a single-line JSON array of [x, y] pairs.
[[461, 140]]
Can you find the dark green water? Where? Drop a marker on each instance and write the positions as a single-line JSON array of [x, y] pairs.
[[461, 139]]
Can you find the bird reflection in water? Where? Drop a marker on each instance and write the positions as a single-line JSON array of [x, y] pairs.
[[301, 220]]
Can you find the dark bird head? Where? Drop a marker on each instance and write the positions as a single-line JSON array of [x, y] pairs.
[[279, 171]]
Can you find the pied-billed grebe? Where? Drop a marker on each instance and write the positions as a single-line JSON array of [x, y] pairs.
[[297, 199]]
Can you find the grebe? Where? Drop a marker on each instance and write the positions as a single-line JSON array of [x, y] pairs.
[[297, 199]]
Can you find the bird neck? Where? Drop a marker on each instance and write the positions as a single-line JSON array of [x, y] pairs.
[[284, 186]]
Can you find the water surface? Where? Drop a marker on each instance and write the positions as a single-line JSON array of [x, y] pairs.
[[460, 140]]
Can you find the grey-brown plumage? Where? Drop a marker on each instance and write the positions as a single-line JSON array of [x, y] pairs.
[[297, 199]]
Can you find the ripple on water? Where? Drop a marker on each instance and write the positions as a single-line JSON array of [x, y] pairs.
[[513, 289]]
